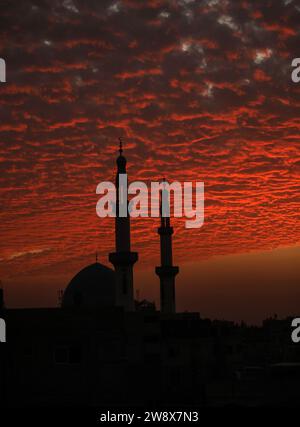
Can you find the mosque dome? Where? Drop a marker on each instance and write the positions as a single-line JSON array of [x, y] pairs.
[[93, 286]]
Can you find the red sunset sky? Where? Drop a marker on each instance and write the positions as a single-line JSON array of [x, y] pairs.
[[200, 91]]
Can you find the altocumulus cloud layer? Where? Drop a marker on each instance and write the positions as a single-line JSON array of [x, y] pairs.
[[200, 90]]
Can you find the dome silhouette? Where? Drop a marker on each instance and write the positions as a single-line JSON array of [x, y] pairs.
[[93, 286]]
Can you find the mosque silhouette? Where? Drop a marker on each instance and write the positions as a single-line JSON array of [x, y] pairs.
[[97, 286], [103, 348]]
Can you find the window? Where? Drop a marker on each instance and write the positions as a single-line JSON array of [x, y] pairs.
[[61, 354], [152, 358], [174, 377], [150, 319], [173, 352], [75, 354], [67, 354], [150, 339], [28, 351]]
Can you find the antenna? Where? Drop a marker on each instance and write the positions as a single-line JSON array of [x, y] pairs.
[[120, 146], [60, 294]]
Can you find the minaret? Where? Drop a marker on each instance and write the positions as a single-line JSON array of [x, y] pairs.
[[123, 259], [166, 272]]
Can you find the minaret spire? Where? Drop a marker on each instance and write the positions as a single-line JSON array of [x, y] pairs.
[[120, 146], [166, 271], [123, 259]]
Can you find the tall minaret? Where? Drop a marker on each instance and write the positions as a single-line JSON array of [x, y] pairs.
[[166, 271], [123, 259]]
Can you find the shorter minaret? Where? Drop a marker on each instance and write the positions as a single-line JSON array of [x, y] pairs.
[[166, 272]]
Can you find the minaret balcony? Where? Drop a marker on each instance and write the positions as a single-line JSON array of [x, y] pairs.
[[123, 258], [167, 270]]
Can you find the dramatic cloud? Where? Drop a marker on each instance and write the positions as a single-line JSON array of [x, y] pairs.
[[200, 90]]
